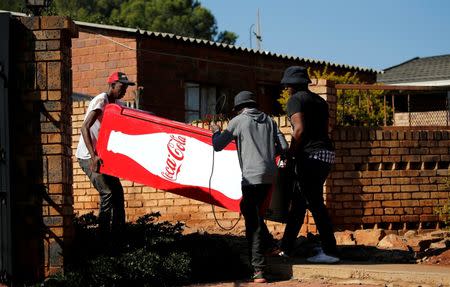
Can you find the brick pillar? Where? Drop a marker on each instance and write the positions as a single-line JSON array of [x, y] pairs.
[[41, 106], [326, 89], [54, 76]]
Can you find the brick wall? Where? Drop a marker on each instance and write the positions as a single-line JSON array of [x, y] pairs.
[[390, 178], [41, 173], [96, 56]]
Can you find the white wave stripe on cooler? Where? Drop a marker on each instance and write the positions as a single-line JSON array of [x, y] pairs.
[[150, 151]]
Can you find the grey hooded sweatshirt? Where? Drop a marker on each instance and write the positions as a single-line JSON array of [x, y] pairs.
[[258, 140]]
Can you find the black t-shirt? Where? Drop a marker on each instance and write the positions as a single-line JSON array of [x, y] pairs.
[[315, 111]]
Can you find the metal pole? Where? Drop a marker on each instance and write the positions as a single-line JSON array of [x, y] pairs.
[[393, 109], [448, 107], [385, 117], [250, 31], [258, 32], [409, 111]]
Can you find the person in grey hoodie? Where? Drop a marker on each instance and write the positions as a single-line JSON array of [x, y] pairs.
[[258, 140]]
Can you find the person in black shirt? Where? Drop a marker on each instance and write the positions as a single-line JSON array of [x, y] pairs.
[[312, 154]]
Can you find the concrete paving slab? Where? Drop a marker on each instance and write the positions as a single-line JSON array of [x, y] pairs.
[[363, 272]]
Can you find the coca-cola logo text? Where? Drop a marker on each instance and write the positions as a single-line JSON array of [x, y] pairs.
[[176, 148]]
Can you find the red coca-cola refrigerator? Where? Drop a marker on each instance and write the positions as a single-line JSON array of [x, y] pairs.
[[172, 156]]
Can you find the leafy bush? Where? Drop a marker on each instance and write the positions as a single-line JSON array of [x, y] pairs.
[[146, 253], [444, 211]]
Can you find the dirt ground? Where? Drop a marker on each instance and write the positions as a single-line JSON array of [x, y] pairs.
[[290, 283], [440, 259]]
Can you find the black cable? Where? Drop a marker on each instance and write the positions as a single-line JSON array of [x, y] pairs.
[[212, 205], [224, 97]]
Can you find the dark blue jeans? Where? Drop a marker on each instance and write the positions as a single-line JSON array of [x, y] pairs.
[[309, 177], [111, 216], [256, 232]]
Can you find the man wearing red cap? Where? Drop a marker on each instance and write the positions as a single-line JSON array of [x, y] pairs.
[[109, 187]]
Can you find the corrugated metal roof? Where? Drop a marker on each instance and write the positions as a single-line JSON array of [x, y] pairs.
[[221, 45], [417, 69], [213, 44]]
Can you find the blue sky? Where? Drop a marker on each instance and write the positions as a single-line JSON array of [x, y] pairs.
[[375, 34]]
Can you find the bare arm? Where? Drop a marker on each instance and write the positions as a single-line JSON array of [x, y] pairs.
[[298, 122], [86, 134]]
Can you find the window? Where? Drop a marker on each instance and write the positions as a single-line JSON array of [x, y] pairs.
[[199, 101]]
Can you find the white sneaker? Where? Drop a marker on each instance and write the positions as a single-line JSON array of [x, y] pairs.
[[322, 258], [283, 255]]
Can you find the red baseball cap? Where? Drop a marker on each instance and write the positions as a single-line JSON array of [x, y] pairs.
[[120, 77]]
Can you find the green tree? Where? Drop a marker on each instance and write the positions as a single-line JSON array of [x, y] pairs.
[[95, 11], [226, 37], [354, 108], [180, 17], [12, 5]]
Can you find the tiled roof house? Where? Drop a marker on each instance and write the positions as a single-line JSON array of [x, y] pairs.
[[418, 108], [427, 71]]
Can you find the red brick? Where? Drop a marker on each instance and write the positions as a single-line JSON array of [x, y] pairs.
[[379, 151], [390, 218], [427, 217], [343, 197], [391, 144], [341, 182], [410, 218], [390, 173], [373, 188], [410, 203], [402, 195], [381, 181], [359, 152], [391, 203], [416, 195], [375, 159], [352, 174], [382, 196], [371, 204], [371, 174], [409, 188], [48, 56], [400, 180], [54, 75], [378, 211], [366, 197], [398, 151], [361, 182], [428, 202], [428, 187]]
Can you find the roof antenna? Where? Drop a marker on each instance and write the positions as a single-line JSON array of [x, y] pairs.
[[258, 32]]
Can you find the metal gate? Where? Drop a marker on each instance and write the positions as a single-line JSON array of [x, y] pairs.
[[5, 195]]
